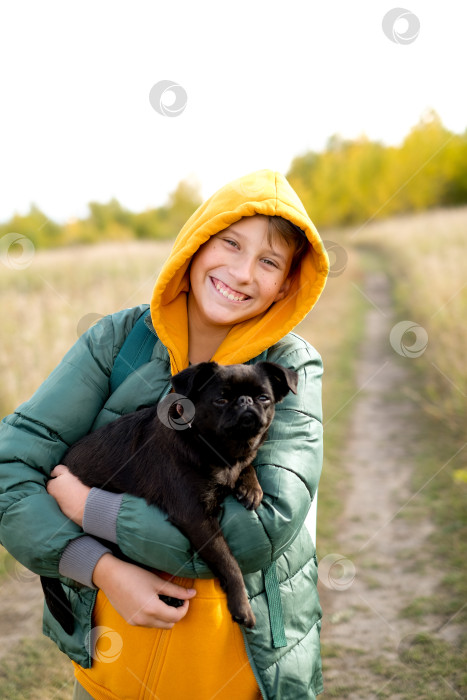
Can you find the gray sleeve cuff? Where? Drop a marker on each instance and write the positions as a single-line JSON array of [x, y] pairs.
[[100, 514], [79, 558]]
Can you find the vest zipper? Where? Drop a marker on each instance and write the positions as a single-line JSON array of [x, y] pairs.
[[253, 666], [88, 635]]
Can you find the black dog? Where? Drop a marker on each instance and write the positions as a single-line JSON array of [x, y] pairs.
[[185, 455]]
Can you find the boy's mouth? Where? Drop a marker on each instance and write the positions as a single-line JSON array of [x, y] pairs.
[[227, 291]]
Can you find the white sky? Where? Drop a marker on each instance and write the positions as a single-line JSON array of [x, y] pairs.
[[265, 81]]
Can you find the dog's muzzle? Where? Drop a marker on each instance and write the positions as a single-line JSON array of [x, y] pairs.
[[248, 419]]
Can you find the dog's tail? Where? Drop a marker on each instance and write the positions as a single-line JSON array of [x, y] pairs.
[[58, 603]]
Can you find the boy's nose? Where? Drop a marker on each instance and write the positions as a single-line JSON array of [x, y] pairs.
[[243, 271]]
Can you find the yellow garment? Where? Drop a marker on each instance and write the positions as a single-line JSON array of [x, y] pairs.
[[204, 656]]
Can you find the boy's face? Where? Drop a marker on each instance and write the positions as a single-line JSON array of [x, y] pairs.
[[237, 274]]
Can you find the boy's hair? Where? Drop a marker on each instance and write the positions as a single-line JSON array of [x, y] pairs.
[[291, 234]]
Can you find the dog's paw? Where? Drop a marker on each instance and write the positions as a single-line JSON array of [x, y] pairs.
[[247, 619], [240, 608], [249, 497]]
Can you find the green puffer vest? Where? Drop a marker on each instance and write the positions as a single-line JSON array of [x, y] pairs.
[[272, 545]]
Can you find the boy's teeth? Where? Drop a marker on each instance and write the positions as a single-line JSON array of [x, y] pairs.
[[229, 295]]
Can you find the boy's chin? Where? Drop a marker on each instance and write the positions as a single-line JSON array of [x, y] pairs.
[[226, 316]]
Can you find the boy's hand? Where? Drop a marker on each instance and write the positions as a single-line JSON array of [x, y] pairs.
[[69, 492], [133, 592]]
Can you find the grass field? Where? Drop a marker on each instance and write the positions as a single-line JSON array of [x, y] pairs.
[[47, 304], [426, 258]]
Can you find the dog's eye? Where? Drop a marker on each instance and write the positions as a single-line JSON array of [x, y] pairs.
[[263, 398], [220, 401]]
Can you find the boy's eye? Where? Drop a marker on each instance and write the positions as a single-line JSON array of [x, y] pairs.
[[234, 244], [270, 262]]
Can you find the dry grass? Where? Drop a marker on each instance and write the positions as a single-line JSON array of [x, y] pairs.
[[44, 306], [426, 257]]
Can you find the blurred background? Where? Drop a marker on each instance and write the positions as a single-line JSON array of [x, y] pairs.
[[118, 120]]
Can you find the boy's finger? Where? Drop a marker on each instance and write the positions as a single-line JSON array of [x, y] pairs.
[[59, 469], [172, 590]]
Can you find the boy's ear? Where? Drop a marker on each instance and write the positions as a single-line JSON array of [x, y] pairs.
[[284, 290], [192, 379], [282, 379]]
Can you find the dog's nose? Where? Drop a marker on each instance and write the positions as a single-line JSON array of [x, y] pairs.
[[245, 401]]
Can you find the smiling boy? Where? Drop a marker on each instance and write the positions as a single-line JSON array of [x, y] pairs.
[[245, 269], [236, 276]]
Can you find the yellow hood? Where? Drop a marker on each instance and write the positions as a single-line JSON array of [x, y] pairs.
[[262, 192]]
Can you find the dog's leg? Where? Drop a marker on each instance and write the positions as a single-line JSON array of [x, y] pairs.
[[247, 489], [207, 538]]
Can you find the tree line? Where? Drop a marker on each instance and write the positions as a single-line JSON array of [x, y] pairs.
[[347, 183], [353, 181]]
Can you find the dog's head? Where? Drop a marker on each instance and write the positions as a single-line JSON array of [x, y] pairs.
[[234, 402]]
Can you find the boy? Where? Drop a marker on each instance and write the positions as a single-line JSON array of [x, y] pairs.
[[244, 270]]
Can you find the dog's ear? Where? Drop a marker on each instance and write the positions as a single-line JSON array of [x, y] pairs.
[[282, 379], [192, 379]]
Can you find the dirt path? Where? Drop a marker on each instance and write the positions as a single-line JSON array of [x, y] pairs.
[[383, 561], [21, 602]]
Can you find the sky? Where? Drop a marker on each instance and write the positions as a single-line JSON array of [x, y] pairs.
[[261, 82]]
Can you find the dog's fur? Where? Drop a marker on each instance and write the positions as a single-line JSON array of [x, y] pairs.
[[185, 455]]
